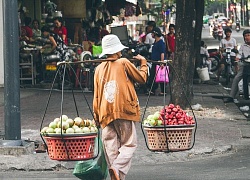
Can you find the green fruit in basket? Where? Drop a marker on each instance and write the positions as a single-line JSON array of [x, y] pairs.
[[146, 122], [153, 122], [58, 131], [75, 127], [70, 121], [85, 130], [64, 117], [150, 117], [78, 130], [44, 129], [63, 124], [53, 125], [159, 122], [50, 130], [156, 115], [70, 131], [56, 120], [78, 121], [93, 129]]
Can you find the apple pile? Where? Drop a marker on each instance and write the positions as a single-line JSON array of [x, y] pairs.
[[169, 115], [67, 125]]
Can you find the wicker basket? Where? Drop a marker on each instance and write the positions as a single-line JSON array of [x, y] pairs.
[[179, 138], [70, 148]]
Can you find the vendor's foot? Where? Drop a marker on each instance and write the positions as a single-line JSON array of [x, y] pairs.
[[113, 174]]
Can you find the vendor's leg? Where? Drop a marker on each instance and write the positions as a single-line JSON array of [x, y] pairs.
[[128, 139], [110, 143]]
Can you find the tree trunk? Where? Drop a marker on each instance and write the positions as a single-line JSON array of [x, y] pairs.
[[183, 65]]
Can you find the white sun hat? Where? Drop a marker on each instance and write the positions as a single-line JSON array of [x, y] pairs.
[[111, 45]]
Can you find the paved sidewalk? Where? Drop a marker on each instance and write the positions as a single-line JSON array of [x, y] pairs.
[[221, 127]]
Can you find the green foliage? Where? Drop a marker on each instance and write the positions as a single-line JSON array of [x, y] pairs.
[[213, 6]]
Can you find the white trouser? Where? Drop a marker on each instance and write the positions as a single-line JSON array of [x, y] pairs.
[[119, 143]]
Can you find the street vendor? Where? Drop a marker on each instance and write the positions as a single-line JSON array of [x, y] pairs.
[[56, 43], [60, 29], [115, 104]]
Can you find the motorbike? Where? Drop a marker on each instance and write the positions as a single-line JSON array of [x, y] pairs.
[[215, 32], [237, 27], [220, 34], [50, 68], [214, 57], [228, 71]]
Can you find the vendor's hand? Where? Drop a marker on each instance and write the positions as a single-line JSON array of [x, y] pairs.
[[139, 57]]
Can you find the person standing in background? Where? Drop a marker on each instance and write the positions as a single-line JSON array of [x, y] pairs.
[[158, 54], [170, 41], [149, 39], [60, 29]]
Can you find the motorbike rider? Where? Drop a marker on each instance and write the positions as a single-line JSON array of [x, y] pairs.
[[244, 51], [227, 42]]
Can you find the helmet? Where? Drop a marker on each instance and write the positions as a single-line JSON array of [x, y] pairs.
[[227, 30], [246, 31]]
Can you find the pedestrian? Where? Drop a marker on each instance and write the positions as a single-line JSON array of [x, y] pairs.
[[244, 52], [170, 41], [115, 105], [158, 54], [149, 39], [205, 57]]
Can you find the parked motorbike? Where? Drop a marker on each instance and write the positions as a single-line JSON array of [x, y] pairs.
[[214, 57], [49, 64]]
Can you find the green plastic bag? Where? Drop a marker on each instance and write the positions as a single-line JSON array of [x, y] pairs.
[[94, 169], [97, 50]]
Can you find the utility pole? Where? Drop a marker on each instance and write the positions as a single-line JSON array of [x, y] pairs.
[[11, 72]]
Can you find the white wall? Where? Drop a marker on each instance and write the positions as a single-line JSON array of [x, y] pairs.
[[1, 46]]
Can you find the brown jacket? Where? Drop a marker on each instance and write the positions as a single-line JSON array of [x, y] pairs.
[[114, 93]]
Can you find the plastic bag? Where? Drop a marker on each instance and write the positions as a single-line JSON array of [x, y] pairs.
[[94, 169], [97, 50], [162, 74]]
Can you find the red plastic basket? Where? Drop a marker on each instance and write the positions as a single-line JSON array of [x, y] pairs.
[[70, 148]]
